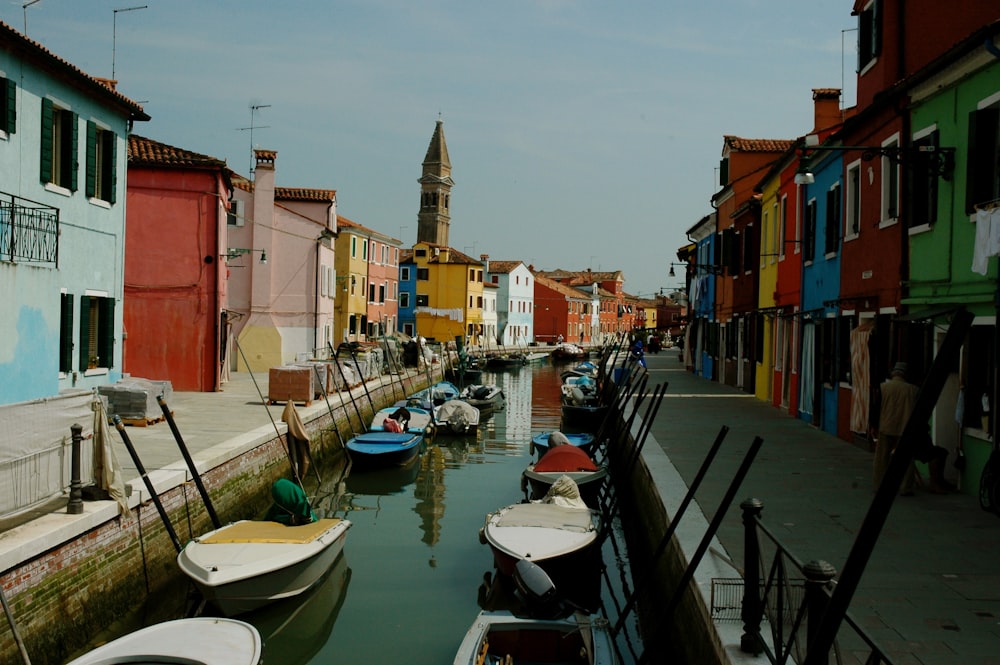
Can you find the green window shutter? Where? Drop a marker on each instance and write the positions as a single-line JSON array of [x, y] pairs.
[[10, 112], [112, 152], [66, 333], [45, 157], [73, 164], [106, 343], [92, 165], [84, 350]]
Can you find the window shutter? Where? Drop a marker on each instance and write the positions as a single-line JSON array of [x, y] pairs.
[[10, 111], [981, 165], [112, 175], [66, 333], [72, 163], [106, 342], [84, 350], [92, 165], [45, 157]]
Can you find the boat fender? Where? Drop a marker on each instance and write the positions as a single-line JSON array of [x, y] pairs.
[[578, 397], [482, 536]]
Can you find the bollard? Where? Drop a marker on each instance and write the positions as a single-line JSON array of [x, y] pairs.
[[818, 575], [75, 505], [752, 610]]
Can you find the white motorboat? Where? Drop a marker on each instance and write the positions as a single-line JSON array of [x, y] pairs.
[[199, 640], [578, 638], [250, 563], [456, 416]]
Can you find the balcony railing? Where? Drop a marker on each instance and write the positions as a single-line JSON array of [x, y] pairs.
[[29, 231]]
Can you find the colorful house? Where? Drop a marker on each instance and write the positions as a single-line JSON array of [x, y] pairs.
[[515, 301], [279, 261], [175, 265], [449, 294], [560, 310], [366, 284], [63, 151]]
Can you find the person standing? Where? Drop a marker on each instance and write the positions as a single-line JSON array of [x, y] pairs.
[[897, 397]]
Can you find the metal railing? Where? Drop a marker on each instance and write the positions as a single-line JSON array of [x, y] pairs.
[[29, 231], [776, 586]]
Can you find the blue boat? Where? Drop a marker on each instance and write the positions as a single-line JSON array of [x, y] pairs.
[[436, 395], [585, 441], [382, 449]]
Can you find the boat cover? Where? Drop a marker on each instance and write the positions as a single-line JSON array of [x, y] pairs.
[[565, 458], [549, 516], [564, 492], [254, 531]]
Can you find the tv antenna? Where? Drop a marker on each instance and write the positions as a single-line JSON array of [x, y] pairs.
[[114, 33], [253, 110]]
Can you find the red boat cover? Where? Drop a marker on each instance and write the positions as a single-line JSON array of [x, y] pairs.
[[565, 458]]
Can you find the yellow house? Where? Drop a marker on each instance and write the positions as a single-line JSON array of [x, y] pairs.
[[770, 249], [351, 281], [449, 294]]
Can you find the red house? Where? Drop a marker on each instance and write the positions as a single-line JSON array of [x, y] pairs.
[[175, 283]]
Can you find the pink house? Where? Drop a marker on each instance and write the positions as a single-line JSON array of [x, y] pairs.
[[281, 269]]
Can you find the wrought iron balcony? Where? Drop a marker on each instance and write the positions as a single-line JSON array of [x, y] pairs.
[[29, 231]]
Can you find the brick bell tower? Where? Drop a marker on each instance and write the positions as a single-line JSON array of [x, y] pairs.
[[434, 217]]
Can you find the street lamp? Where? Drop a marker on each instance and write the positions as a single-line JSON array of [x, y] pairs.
[[236, 252], [708, 268]]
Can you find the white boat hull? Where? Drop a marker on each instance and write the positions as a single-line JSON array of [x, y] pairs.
[[246, 565], [201, 640], [545, 534], [498, 634]]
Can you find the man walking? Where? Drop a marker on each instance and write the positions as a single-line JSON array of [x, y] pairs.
[[897, 397]]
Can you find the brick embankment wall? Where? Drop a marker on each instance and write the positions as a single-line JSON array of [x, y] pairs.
[[688, 634], [65, 596]]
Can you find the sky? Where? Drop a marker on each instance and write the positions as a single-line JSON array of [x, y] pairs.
[[582, 134]]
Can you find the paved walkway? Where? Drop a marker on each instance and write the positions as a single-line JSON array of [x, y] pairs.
[[931, 591]]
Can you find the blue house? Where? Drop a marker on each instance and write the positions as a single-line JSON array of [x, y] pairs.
[[821, 220], [407, 293], [702, 342], [63, 143]]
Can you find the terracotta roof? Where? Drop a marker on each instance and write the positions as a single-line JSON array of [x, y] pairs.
[[454, 256], [559, 287], [581, 277], [304, 194], [147, 152], [20, 45], [757, 145], [504, 267], [826, 92]]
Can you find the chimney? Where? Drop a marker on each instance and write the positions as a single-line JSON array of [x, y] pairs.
[[485, 258], [826, 108]]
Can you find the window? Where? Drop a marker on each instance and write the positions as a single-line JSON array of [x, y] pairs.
[[97, 332], [8, 106], [832, 219], [371, 293], [852, 218], [102, 175], [404, 274], [423, 274], [354, 247], [422, 301], [809, 232], [748, 248], [381, 292], [869, 34], [923, 173], [404, 299], [364, 250], [65, 333], [782, 219], [979, 358], [983, 172], [58, 146], [420, 253], [890, 186]]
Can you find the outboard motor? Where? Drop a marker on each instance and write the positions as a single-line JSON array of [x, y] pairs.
[[536, 590], [557, 438]]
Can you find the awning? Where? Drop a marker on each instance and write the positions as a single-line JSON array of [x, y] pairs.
[[926, 313]]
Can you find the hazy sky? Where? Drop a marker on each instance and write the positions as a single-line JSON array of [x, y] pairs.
[[582, 134]]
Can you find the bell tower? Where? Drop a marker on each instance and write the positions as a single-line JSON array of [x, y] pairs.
[[434, 217]]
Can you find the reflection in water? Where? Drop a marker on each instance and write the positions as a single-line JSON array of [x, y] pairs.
[[429, 493], [295, 629]]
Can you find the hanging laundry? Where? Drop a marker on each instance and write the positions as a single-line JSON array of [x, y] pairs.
[[980, 251]]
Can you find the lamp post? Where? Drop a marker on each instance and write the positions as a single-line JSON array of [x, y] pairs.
[[236, 252]]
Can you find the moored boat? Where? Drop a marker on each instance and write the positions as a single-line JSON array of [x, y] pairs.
[[541, 443], [247, 564], [382, 449], [496, 635], [506, 360], [435, 395], [560, 534], [583, 417], [201, 640], [485, 397], [456, 417], [418, 419], [564, 461], [568, 351]]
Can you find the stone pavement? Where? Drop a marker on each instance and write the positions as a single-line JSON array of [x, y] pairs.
[[930, 593]]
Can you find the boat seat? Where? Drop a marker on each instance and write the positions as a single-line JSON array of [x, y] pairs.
[[263, 531]]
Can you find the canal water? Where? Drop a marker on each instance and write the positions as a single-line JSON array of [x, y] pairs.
[[408, 584], [411, 579]]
